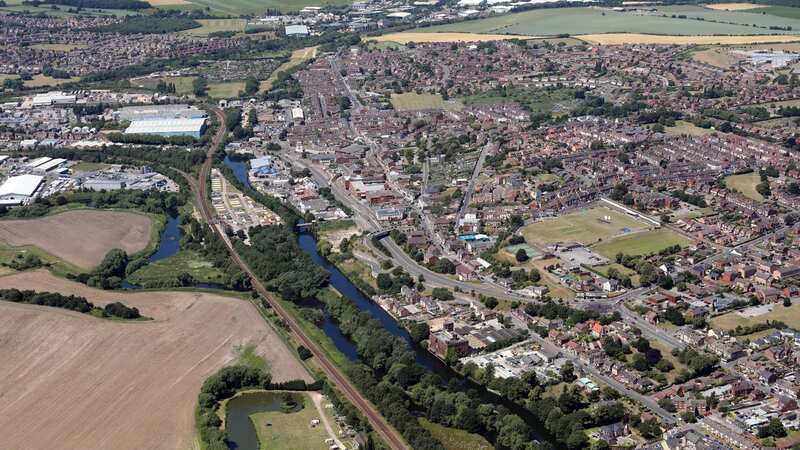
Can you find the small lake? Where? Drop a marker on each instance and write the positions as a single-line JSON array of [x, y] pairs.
[[239, 427]]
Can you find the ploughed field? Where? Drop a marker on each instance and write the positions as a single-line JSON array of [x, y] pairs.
[[73, 381], [81, 237]]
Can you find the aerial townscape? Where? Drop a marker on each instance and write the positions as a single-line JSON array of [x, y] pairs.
[[399, 224]]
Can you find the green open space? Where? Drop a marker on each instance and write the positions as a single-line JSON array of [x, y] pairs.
[[168, 269], [278, 430], [780, 11], [59, 266], [790, 316], [603, 270], [745, 183], [209, 26], [252, 7], [683, 128], [183, 85], [642, 243], [558, 101], [42, 81], [577, 21], [59, 47], [585, 226], [225, 89], [455, 439], [411, 101]]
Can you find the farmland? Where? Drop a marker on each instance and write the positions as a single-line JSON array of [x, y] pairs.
[[216, 25], [583, 226], [732, 6], [640, 243], [250, 7], [640, 38], [124, 385], [590, 21], [81, 237], [411, 101], [746, 184]]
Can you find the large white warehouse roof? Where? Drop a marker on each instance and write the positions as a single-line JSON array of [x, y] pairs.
[[165, 126], [24, 185]]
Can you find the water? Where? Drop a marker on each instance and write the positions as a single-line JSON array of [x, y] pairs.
[[239, 427], [239, 168], [169, 243]]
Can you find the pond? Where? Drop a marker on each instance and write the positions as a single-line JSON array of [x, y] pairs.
[[169, 243], [240, 429]]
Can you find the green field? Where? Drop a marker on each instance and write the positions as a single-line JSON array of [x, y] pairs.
[[577, 21], [216, 25], [746, 184], [683, 128], [603, 270], [780, 11], [790, 316], [584, 226], [455, 439], [42, 81], [252, 7], [225, 89], [290, 431], [168, 269], [411, 101], [559, 101], [640, 243], [183, 85], [56, 265]]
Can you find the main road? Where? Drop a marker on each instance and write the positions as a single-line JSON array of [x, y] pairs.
[[199, 188]]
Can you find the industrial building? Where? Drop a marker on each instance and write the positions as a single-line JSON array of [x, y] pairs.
[[153, 112], [53, 98], [168, 127], [296, 30], [20, 189]]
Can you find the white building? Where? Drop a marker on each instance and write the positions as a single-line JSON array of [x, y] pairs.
[[296, 30], [19, 190], [53, 98]]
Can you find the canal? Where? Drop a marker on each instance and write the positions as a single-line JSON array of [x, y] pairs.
[[339, 281]]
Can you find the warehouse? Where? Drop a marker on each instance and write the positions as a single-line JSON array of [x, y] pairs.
[[53, 98], [168, 127], [296, 31], [19, 190], [153, 112]]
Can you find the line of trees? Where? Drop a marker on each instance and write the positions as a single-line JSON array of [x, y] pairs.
[[70, 302]]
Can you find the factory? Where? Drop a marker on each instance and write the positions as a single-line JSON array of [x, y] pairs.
[[157, 112], [164, 120], [296, 31], [19, 190]]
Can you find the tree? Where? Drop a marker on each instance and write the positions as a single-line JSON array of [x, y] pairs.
[[521, 255], [568, 372], [199, 86], [772, 429], [535, 276]]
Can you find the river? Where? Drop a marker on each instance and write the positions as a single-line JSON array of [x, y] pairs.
[[339, 281]]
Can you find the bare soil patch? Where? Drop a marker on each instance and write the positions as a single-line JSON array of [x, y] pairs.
[[81, 237], [72, 381]]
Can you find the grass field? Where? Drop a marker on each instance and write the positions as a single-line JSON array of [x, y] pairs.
[[780, 11], [290, 431], [237, 8], [683, 128], [42, 81], [406, 37], [298, 57], [582, 226], [746, 184], [183, 85], [455, 439], [411, 101], [557, 290], [225, 89], [790, 316], [590, 21], [184, 261], [603, 270], [59, 47], [640, 243], [215, 25]]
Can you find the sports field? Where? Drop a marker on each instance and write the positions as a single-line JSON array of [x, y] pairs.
[[583, 21], [405, 38], [640, 243], [746, 184], [790, 316], [585, 226], [411, 101]]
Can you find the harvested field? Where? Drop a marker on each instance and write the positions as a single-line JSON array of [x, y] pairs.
[[405, 38], [299, 56], [72, 381], [168, 2], [81, 237], [637, 38], [717, 57], [732, 6]]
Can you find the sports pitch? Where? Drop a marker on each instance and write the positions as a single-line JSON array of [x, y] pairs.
[[411, 101], [640, 243], [585, 226]]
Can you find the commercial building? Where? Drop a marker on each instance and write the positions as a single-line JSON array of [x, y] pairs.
[[296, 30], [168, 127], [53, 98], [153, 112], [19, 190]]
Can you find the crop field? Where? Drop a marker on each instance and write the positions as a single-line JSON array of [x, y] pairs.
[[183, 85], [583, 226], [158, 3], [640, 38], [780, 11], [422, 37], [790, 316], [216, 25], [732, 6], [640, 243], [746, 184], [583, 21], [81, 237], [411, 101], [72, 381]]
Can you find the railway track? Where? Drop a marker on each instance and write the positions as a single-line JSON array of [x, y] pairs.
[[200, 188]]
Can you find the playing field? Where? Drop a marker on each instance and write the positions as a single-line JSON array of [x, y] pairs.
[[585, 226], [683, 128], [640, 243], [688, 21], [411, 101], [225, 89], [405, 38], [746, 184], [790, 316], [216, 25]]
